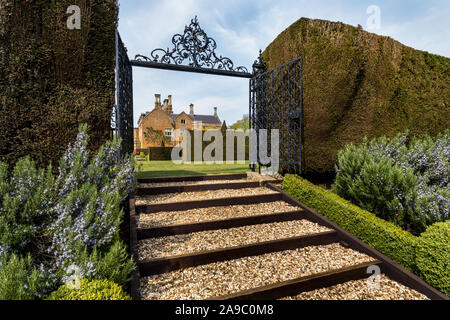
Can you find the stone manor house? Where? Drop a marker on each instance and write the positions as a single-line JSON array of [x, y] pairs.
[[161, 121]]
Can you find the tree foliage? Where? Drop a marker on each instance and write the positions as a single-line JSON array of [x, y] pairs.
[[241, 124]]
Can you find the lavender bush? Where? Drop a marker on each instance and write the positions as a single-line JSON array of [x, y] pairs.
[[71, 218], [404, 180]]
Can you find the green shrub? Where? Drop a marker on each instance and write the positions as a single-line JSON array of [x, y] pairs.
[[433, 256], [113, 264], [91, 290], [24, 196], [428, 256], [376, 232], [69, 219], [19, 279], [141, 155], [405, 181]]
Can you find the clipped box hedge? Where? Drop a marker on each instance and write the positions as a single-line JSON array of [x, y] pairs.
[[428, 256], [433, 256], [91, 290]]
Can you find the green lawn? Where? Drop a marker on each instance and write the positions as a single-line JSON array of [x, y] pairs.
[[150, 169]]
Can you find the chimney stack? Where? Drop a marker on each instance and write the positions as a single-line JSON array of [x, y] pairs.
[[165, 105], [157, 100], [191, 112], [215, 112], [170, 110]]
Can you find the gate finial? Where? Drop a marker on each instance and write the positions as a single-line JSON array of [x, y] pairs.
[[193, 47], [258, 65]]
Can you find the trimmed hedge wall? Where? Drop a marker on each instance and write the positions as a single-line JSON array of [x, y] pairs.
[[52, 79], [428, 256], [378, 233], [433, 255], [359, 84], [164, 153]]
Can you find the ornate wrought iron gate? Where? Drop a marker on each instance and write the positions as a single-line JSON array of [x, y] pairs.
[[122, 116], [276, 99], [275, 96]]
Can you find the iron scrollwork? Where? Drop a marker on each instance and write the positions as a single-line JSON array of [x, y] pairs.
[[194, 46], [276, 100]]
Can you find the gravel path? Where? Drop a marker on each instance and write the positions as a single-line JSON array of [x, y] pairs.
[[202, 195], [189, 183], [167, 218], [223, 238], [362, 290], [226, 277]]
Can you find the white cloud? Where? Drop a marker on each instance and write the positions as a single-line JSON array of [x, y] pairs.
[[240, 29], [428, 32]]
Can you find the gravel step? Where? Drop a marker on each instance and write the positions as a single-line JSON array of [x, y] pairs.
[[386, 289], [195, 178], [221, 278], [168, 218], [190, 183], [202, 195], [222, 238]]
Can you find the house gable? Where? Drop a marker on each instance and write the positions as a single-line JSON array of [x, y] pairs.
[[158, 119]]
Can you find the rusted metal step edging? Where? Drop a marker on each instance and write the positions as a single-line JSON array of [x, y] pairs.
[[147, 233], [195, 188], [218, 202], [234, 176], [167, 264], [388, 266], [135, 276], [295, 286]]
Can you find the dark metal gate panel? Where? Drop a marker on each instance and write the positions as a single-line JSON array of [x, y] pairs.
[[122, 117], [276, 99]]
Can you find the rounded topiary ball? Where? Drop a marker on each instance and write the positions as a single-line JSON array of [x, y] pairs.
[[433, 256], [91, 290]]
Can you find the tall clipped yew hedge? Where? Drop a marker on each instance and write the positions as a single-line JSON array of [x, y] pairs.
[[52, 78], [359, 84]]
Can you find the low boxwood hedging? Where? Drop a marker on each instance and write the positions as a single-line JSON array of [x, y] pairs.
[[427, 255], [433, 256], [91, 290]]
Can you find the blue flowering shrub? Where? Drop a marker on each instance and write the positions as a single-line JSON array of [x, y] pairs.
[[404, 180], [49, 223]]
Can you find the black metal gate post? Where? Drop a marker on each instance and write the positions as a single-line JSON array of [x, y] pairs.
[[255, 89], [276, 102], [122, 116]]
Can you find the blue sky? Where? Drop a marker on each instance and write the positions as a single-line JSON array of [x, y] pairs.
[[242, 27]]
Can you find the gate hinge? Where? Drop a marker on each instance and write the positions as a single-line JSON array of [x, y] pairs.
[[295, 114]]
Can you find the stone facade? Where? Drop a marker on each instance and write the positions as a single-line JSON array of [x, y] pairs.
[[161, 121]]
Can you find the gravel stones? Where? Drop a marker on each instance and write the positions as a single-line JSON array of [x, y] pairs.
[[224, 238], [166, 218], [220, 278], [189, 183], [386, 289], [202, 195], [232, 276]]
